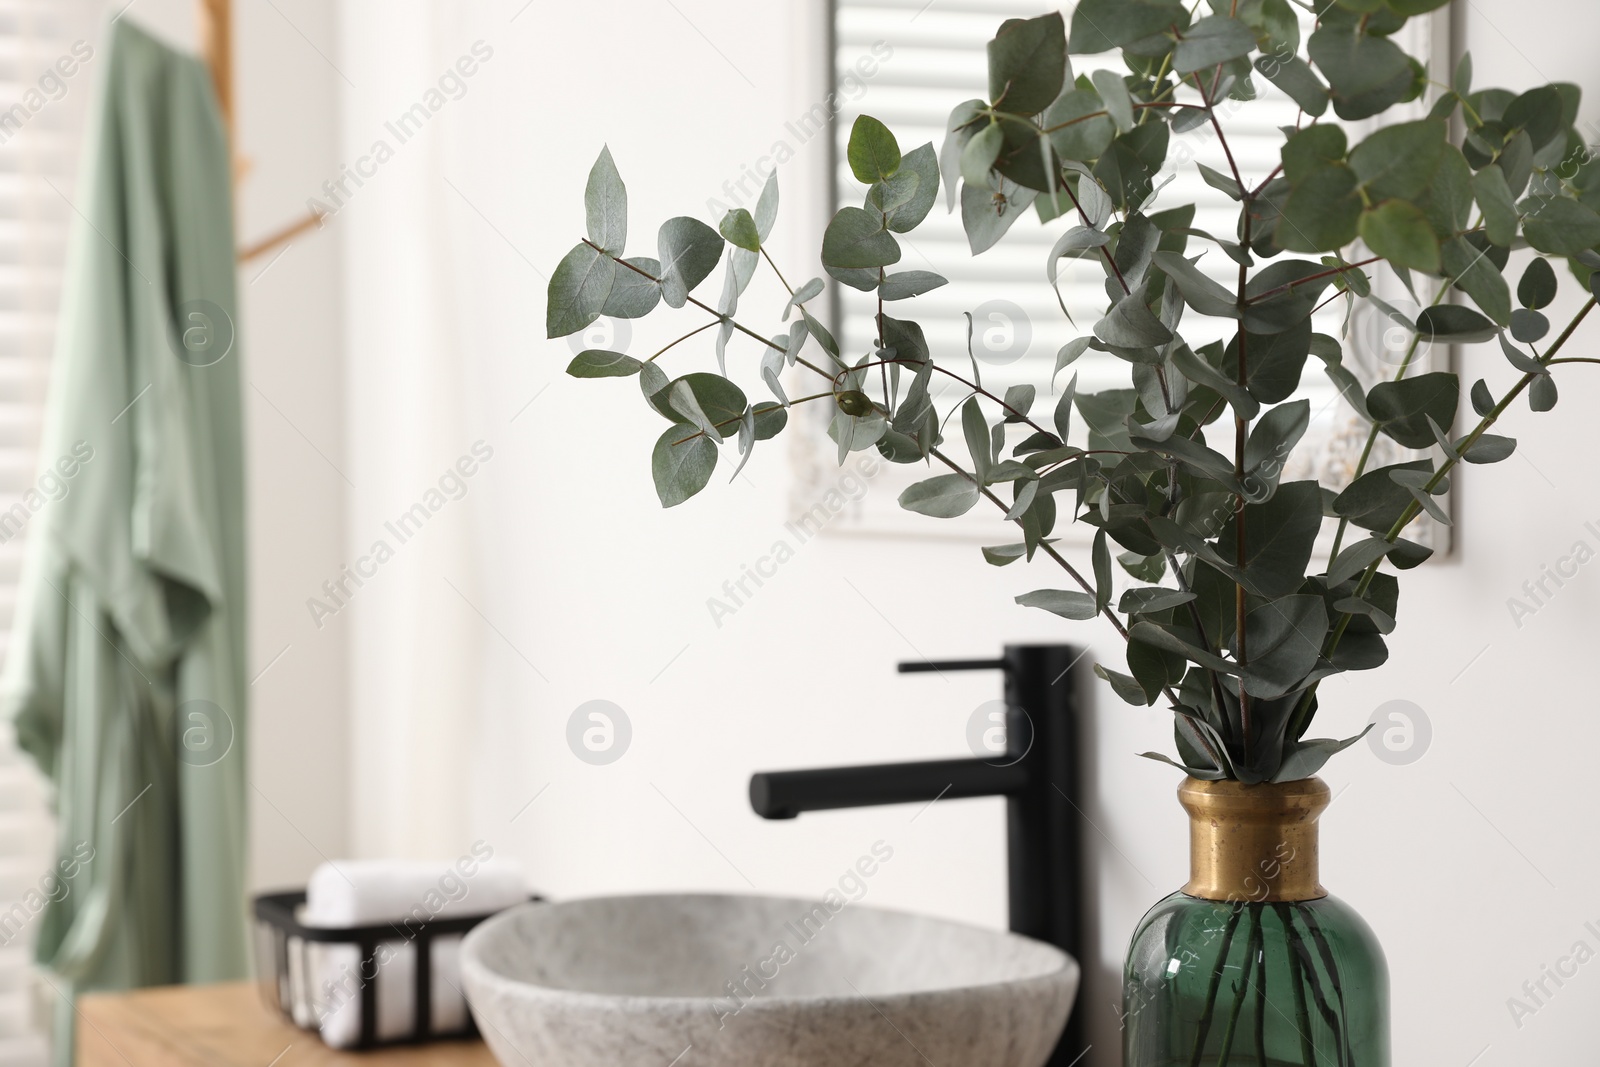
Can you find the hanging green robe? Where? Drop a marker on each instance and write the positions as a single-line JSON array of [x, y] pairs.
[[126, 676]]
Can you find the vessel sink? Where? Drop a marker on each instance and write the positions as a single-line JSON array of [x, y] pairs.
[[749, 981]]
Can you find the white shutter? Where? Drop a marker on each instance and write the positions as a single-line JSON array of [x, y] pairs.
[[39, 150], [939, 60]]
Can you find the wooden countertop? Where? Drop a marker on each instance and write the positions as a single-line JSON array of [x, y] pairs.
[[228, 1026]]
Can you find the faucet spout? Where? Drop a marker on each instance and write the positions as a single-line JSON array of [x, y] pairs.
[[785, 794]]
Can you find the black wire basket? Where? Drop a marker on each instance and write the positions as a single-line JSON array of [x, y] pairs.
[[286, 971]]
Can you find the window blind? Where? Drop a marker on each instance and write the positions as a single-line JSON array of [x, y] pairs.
[[938, 59], [48, 57]]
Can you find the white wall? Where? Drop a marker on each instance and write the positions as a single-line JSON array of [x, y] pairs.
[[1471, 864], [286, 128]]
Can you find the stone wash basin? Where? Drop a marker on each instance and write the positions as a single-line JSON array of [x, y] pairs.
[[677, 981]]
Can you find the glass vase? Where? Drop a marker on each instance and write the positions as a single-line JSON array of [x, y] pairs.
[[1253, 964]]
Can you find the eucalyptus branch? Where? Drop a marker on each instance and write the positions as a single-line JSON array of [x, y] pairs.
[[740, 418], [1138, 105], [663, 350], [1049, 550], [1407, 208], [1241, 429], [1413, 509], [1330, 272], [1083, 216], [1221, 137], [721, 318]]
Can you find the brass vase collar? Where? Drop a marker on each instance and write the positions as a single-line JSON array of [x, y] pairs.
[[1253, 843]]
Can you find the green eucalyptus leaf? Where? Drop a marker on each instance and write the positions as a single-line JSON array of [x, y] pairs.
[[1402, 408], [739, 228], [578, 291], [1028, 63], [976, 430], [1494, 198], [978, 157], [1357, 558], [1400, 160], [1490, 448], [1124, 686], [1542, 394], [1080, 127], [1131, 324], [597, 363], [605, 205], [1113, 90], [857, 239], [1528, 326], [1482, 399], [1271, 440], [689, 251], [1538, 112], [634, 289], [1274, 362], [1101, 25], [1212, 40], [1068, 603], [1375, 500], [1323, 211], [1284, 639], [1314, 148], [944, 496], [809, 291], [681, 463], [1206, 296], [910, 283], [1478, 277], [964, 122], [987, 215], [1560, 226], [923, 163], [872, 151], [1223, 183], [1302, 759], [1298, 81], [1278, 536], [1452, 323], [1398, 231], [1139, 601], [1368, 74], [767, 207], [1195, 368], [1538, 285]]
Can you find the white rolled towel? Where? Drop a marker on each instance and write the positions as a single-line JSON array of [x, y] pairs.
[[327, 989]]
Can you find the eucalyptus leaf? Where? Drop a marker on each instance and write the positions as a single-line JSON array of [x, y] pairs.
[[596, 363], [578, 290], [872, 151], [635, 292], [1028, 63], [605, 205], [1538, 285], [943, 496], [689, 251], [910, 283], [1212, 40], [739, 228], [682, 463], [1402, 408], [858, 239], [1068, 603], [1101, 25]]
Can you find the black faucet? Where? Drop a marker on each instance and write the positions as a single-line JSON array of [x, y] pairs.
[[1038, 776]]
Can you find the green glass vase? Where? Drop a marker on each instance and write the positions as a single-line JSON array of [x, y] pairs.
[[1253, 964]]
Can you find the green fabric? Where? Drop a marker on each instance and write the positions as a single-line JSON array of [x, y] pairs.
[[132, 606]]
